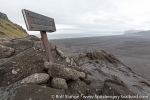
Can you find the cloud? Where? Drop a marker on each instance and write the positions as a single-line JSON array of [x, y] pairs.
[[84, 16]]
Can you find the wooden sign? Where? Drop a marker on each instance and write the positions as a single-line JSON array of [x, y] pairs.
[[38, 22]]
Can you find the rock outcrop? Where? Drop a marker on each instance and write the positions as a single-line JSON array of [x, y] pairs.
[[91, 76], [3, 16]]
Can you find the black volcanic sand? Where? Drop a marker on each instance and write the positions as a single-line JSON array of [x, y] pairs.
[[133, 51]]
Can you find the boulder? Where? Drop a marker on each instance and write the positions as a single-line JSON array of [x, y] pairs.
[[36, 78], [47, 65], [6, 51], [60, 71], [59, 83]]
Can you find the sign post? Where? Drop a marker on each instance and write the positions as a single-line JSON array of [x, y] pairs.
[[37, 22]]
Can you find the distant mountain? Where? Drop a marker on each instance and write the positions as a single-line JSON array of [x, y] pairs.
[[131, 31], [137, 32], [10, 29]]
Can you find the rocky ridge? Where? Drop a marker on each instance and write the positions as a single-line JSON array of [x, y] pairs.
[[10, 29], [27, 75], [3, 16]]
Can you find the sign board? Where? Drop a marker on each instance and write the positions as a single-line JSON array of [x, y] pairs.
[[38, 22]]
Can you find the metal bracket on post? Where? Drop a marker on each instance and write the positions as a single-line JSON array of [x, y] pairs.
[[46, 46]]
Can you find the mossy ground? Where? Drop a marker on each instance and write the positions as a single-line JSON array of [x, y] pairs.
[[9, 29]]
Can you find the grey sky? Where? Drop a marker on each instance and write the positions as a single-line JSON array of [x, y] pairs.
[[84, 16]]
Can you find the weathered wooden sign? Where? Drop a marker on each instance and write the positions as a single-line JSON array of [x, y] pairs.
[[37, 22]]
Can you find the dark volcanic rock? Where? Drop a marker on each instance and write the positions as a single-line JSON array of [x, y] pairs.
[[3, 16], [26, 61], [81, 88], [59, 83], [37, 78], [6, 51], [93, 74], [106, 56], [60, 71], [36, 92], [112, 89]]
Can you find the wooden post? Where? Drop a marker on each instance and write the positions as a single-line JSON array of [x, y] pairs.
[[46, 46]]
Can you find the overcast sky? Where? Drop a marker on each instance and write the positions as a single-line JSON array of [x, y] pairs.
[[84, 16]]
